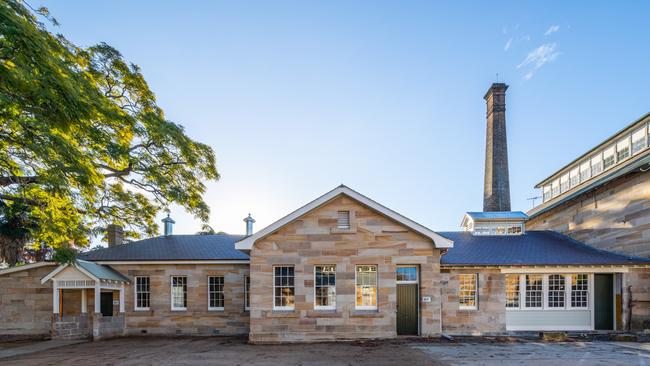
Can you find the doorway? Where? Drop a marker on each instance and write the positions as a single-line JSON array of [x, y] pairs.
[[603, 301], [106, 303], [407, 300]]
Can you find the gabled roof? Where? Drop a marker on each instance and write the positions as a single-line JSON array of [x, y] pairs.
[[438, 240], [25, 267], [95, 271], [534, 248], [497, 215], [170, 248]]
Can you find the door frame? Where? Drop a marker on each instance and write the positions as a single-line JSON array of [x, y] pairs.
[[417, 292]]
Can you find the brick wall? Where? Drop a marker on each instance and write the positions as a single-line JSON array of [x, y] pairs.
[[196, 320], [25, 304], [314, 239], [490, 316]]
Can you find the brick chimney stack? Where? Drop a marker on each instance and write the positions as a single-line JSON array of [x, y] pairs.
[[115, 235], [496, 192]]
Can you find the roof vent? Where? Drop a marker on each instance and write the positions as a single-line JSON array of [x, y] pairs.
[[249, 225], [169, 225]]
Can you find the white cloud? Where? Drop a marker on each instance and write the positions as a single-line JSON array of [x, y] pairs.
[[539, 57], [552, 29], [508, 44]]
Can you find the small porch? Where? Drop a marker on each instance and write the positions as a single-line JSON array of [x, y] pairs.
[[82, 285]]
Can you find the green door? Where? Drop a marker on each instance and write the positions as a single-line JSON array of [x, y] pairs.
[[106, 303], [407, 309], [604, 301]]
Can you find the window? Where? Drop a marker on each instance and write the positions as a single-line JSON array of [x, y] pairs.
[[585, 171], [283, 284], [556, 291], [512, 291], [142, 293], [596, 165], [344, 220], [547, 193], [179, 293], [515, 229], [215, 293], [579, 291], [608, 157], [407, 274], [574, 177], [623, 148], [564, 183], [467, 291], [247, 292], [556, 187], [638, 140], [325, 287], [366, 288], [534, 291]]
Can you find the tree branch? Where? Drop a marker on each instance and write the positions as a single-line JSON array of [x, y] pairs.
[[10, 180]]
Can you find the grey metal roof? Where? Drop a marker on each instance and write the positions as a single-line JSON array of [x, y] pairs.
[[498, 215], [172, 247], [624, 169], [100, 271], [531, 248]]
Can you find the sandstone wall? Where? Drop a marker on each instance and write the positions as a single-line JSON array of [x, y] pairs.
[[490, 315], [314, 239], [25, 304]]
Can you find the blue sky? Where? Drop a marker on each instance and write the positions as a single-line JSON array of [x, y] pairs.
[[385, 97]]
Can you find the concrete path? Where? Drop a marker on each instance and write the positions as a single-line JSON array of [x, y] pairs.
[[36, 347]]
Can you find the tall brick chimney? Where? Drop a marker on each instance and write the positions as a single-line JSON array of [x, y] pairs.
[[115, 235], [496, 188]]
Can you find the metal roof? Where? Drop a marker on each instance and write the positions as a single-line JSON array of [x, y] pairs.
[[623, 170], [101, 272], [172, 247], [531, 248], [498, 215]]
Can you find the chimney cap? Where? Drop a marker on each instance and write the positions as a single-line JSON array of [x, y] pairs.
[[168, 220], [495, 86], [249, 218]]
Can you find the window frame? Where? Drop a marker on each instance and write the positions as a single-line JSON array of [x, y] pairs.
[[171, 293], [341, 216], [325, 307], [135, 293], [559, 293], [280, 307], [568, 292], [223, 293], [644, 140], [475, 290], [356, 287], [517, 292], [542, 291]]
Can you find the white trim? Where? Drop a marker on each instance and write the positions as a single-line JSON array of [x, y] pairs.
[[233, 261], [122, 299], [51, 275], [26, 267], [417, 274], [565, 270], [546, 328], [247, 304], [366, 307], [329, 307], [223, 292], [171, 293], [438, 240], [284, 308], [84, 301]]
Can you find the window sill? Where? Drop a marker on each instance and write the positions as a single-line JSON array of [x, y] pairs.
[[468, 309], [217, 310], [351, 230], [366, 314], [282, 314], [142, 309], [184, 309]]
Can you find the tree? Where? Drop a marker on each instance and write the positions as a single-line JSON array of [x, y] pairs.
[[83, 142]]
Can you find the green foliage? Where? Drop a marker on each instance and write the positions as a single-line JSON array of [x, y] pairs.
[[64, 255], [82, 141]]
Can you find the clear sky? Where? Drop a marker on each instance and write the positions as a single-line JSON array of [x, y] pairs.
[[386, 97]]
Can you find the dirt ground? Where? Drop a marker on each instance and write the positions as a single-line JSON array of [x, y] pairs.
[[235, 351]]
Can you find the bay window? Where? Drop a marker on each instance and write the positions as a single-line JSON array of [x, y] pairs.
[[366, 287]]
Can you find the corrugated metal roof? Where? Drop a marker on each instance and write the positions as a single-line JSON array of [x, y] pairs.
[[531, 248], [172, 247], [101, 271], [498, 215]]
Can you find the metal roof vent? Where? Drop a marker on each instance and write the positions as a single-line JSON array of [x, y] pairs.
[[169, 225], [249, 225]]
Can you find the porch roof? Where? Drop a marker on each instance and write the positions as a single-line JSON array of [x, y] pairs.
[[97, 272]]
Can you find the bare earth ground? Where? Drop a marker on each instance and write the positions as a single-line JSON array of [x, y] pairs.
[[235, 351]]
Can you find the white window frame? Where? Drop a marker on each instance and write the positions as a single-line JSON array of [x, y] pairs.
[[574, 177], [460, 284], [518, 278], [171, 294], [223, 293], [247, 289], [587, 168], [562, 293], [622, 144], [328, 307], [606, 154], [356, 272], [408, 282], [644, 140], [135, 293], [545, 292], [285, 308]]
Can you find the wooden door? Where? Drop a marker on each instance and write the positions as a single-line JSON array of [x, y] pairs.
[[407, 309]]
